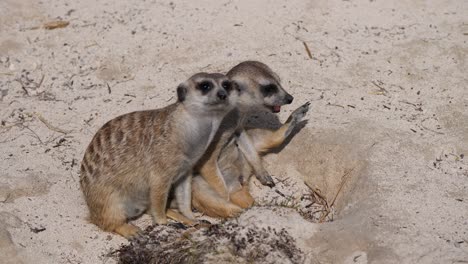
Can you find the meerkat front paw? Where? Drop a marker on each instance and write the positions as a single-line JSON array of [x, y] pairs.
[[266, 179], [299, 113], [296, 117]]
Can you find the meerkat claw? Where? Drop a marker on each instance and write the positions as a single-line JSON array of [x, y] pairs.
[[267, 181], [302, 110], [298, 114], [270, 184]]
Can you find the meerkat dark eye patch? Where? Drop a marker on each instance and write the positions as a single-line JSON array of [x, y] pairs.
[[227, 85], [205, 87], [268, 89], [181, 92]]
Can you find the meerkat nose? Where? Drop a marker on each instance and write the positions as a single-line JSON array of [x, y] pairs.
[[289, 98], [222, 94]]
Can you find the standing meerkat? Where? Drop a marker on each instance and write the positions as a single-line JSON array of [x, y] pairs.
[[134, 159], [221, 191]]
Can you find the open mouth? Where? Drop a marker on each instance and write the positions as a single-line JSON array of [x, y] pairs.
[[274, 108]]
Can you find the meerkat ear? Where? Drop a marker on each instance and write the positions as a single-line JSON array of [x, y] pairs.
[[181, 92]]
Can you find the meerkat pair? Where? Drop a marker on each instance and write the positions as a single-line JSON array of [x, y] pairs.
[[221, 188], [134, 160]]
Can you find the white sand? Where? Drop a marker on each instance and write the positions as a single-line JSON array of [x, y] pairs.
[[387, 81]]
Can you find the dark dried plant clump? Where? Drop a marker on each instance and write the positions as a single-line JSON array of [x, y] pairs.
[[220, 243], [314, 207], [309, 202]]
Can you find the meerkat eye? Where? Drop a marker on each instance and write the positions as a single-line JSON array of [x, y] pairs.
[[205, 87], [269, 89], [227, 85]]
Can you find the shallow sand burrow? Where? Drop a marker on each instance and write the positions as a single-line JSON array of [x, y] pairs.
[[329, 163]]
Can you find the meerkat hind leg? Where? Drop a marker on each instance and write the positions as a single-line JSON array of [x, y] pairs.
[[211, 173], [208, 202], [113, 217], [242, 198]]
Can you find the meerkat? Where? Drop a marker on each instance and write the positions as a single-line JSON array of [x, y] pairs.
[[236, 170], [133, 160], [221, 191]]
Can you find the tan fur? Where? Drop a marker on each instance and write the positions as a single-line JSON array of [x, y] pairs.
[[234, 154], [206, 200], [264, 140], [176, 216], [134, 159], [242, 198]]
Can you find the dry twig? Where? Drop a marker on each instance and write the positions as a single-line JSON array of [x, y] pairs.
[[307, 50], [55, 24], [50, 126], [382, 91], [51, 25]]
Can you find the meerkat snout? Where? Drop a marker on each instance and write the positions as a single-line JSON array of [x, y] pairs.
[[222, 95], [289, 99], [259, 86]]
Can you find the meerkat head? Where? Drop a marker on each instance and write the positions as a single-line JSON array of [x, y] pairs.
[[258, 85], [207, 93]]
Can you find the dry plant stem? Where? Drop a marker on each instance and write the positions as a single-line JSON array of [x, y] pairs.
[[337, 105], [320, 199], [51, 25], [34, 133], [50, 126], [41, 81], [307, 50], [342, 183], [382, 91], [55, 24], [328, 206]]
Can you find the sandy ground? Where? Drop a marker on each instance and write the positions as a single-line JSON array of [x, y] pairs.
[[389, 119]]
